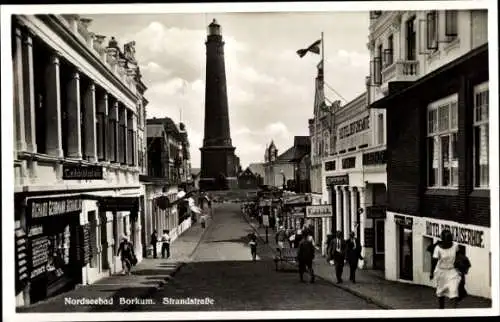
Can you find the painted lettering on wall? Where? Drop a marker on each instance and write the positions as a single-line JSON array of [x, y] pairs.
[[44, 208], [355, 127], [461, 235]]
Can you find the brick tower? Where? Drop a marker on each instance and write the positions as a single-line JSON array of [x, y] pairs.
[[218, 168]]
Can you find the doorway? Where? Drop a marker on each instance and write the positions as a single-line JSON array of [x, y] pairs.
[[405, 252]]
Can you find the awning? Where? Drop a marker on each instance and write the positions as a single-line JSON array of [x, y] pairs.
[[474, 58]]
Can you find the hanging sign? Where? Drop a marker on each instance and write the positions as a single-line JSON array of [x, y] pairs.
[[319, 211]]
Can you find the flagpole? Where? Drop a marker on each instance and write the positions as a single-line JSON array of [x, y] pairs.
[[323, 53]]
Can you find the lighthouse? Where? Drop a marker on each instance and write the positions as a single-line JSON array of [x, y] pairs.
[[218, 169]]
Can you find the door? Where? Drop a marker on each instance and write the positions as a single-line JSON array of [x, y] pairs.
[[379, 247], [405, 253]]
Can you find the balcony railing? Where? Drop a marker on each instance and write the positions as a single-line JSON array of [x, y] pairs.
[[401, 71]]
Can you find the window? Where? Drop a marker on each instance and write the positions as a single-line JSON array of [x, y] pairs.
[[122, 134], [432, 30], [481, 135], [101, 135], [40, 63], [380, 126], [376, 68], [442, 128], [411, 39], [389, 52], [131, 146], [113, 140], [451, 26]]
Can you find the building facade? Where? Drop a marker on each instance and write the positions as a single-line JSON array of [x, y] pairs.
[[168, 164], [430, 76], [320, 127], [279, 170], [355, 177], [77, 109]]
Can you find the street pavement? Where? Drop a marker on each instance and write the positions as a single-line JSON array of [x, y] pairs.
[[149, 275], [372, 286], [221, 270], [213, 266]]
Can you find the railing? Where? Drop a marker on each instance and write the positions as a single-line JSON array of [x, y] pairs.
[[401, 71]]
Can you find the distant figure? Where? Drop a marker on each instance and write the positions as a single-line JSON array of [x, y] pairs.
[[165, 246], [337, 253], [154, 243], [305, 257], [353, 255], [253, 246], [298, 238], [127, 256], [281, 237]]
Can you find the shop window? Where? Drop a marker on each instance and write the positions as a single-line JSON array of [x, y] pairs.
[[481, 136], [442, 133], [451, 23], [427, 255]]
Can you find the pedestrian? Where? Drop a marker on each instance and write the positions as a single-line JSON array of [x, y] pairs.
[[127, 255], [447, 277], [298, 238], [462, 264], [253, 246], [353, 255], [165, 246], [281, 237], [305, 257], [337, 253], [154, 243]]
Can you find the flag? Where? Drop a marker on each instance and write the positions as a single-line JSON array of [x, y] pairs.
[[314, 48]]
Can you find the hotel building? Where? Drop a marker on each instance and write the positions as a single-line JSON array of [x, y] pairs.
[[429, 76]]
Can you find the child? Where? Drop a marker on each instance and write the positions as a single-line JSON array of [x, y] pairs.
[[253, 246]]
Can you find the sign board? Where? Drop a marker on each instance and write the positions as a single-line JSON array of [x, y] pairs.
[[375, 158], [337, 180], [43, 208], [403, 220], [118, 203], [461, 234], [22, 268], [319, 211], [376, 212], [265, 220], [82, 172]]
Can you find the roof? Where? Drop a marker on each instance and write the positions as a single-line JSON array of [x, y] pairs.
[[169, 125], [288, 155], [257, 168], [302, 147]]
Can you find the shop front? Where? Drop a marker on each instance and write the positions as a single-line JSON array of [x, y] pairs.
[[57, 246], [320, 215]]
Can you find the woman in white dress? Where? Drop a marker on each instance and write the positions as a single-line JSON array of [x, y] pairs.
[[446, 276]]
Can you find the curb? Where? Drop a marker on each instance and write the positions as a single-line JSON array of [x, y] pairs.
[[153, 289], [353, 292], [205, 230]]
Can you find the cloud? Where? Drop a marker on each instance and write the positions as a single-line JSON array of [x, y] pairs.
[[270, 89]]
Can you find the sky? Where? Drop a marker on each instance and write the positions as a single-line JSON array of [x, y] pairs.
[[270, 89]]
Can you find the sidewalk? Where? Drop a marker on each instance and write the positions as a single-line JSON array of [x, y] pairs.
[[147, 277], [373, 287]]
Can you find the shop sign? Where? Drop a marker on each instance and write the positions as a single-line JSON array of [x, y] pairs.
[[83, 250], [337, 180], [118, 204], [265, 220], [355, 127], [403, 220], [375, 158], [82, 172], [22, 270], [461, 235], [319, 211], [44, 208], [376, 212], [349, 163]]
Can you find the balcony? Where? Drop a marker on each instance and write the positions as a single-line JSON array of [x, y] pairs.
[[401, 71]]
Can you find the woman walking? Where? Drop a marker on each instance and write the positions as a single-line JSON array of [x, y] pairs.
[[253, 246], [127, 256], [447, 277]]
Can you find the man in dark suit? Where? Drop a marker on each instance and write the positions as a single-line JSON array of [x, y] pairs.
[[305, 257], [353, 255], [336, 251]]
